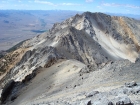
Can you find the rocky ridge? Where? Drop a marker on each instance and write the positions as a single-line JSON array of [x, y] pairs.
[[103, 48]]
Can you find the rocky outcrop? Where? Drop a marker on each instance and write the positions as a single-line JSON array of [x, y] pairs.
[[51, 61]]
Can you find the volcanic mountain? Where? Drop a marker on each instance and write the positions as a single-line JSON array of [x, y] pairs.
[[85, 60]]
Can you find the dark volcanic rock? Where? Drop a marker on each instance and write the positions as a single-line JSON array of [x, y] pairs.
[[90, 94], [7, 90], [89, 103], [110, 103], [29, 77]]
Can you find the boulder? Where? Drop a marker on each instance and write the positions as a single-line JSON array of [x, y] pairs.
[[131, 84], [137, 90], [103, 101], [124, 101]]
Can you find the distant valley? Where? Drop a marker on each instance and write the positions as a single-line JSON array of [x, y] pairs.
[[16, 26]]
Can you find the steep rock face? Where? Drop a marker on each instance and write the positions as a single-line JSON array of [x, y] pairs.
[[78, 45], [8, 62], [32, 60], [68, 43], [118, 36], [114, 34]]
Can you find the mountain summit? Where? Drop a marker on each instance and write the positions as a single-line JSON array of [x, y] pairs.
[[84, 60]]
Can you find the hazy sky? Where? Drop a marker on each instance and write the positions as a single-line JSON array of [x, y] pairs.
[[112, 6]]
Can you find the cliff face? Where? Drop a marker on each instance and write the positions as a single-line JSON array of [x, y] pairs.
[[94, 40]]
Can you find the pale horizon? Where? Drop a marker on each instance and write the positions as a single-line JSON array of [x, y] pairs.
[[105, 6]]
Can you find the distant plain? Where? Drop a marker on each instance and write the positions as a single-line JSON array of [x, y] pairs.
[[17, 25]]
